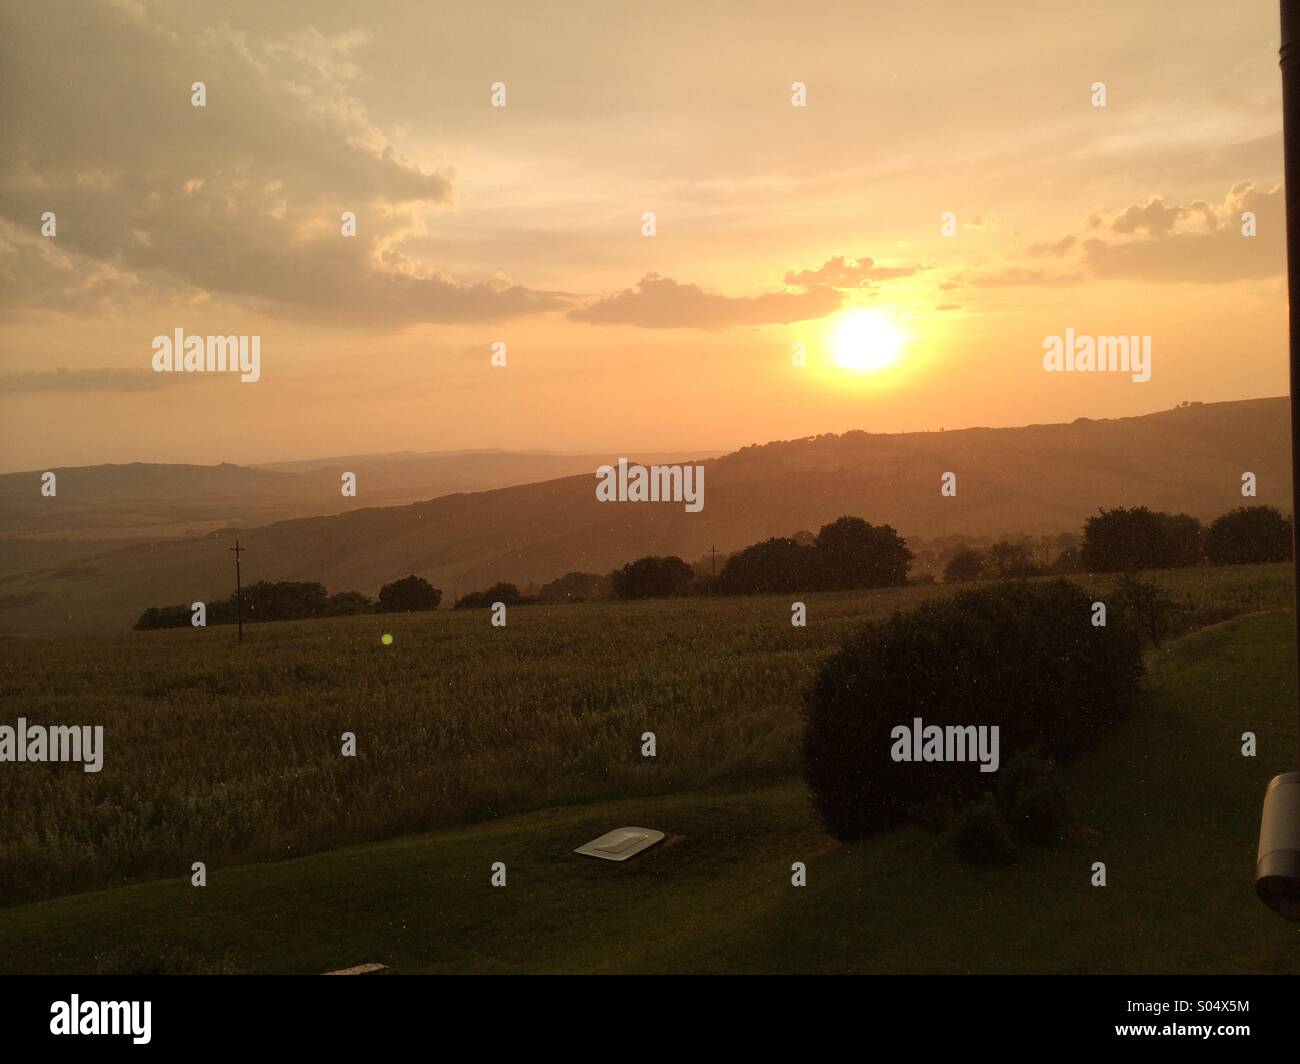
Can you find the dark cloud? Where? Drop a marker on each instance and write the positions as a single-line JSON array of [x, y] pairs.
[[662, 303], [243, 197]]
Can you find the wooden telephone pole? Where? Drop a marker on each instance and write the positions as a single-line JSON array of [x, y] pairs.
[[239, 590], [714, 561]]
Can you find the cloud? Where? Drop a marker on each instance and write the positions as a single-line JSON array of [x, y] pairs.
[[242, 197], [1199, 242], [84, 380], [839, 272], [1054, 248], [662, 303]]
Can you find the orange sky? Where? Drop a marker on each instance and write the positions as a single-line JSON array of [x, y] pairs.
[[523, 224]]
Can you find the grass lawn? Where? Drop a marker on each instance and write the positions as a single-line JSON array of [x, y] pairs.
[[1169, 805]]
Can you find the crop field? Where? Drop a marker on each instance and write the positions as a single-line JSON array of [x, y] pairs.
[[231, 753]]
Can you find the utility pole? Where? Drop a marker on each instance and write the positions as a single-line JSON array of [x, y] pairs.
[[239, 589], [714, 562]]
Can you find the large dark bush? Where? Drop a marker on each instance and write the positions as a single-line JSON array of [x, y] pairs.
[[774, 566], [1247, 535], [652, 577], [411, 594], [1024, 657], [1121, 540]]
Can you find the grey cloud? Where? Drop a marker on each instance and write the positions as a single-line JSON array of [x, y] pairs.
[[663, 303], [243, 197]]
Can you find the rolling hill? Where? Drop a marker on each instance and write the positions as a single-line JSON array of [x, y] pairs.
[[1033, 479]]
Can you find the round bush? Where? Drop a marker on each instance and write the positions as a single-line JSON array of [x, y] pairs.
[[1023, 657]]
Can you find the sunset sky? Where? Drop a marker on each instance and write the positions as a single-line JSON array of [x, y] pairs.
[[523, 224]]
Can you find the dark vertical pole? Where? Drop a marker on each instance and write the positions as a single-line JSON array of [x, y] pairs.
[[1290, 62], [239, 591], [1277, 865]]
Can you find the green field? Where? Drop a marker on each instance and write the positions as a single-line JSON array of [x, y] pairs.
[[521, 743]]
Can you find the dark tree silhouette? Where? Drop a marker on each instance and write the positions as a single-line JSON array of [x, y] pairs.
[[652, 577], [411, 594], [1120, 540], [851, 553], [964, 566], [1249, 534], [773, 566]]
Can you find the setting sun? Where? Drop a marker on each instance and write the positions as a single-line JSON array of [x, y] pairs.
[[866, 341]]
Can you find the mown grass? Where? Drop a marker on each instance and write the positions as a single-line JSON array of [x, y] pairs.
[[228, 753], [1168, 803]]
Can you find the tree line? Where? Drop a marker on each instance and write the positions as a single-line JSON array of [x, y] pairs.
[[1131, 539], [849, 553]]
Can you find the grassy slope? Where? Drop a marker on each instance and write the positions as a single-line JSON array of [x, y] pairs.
[[230, 754], [1172, 801]]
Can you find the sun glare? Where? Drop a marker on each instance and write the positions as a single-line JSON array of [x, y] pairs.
[[866, 341]]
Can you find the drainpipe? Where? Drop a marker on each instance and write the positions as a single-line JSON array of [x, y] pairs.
[[1277, 868]]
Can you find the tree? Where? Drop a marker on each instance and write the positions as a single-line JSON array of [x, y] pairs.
[[851, 553], [773, 566], [1068, 561], [1249, 535], [1147, 604], [574, 587], [287, 600], [411, 594], [964, 566], [1120, 540], [348, 603], [1010, 560], [503, 592], [652, 577]]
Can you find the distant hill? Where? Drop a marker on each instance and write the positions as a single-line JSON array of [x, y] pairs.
[[146, 500], [1035, 479]]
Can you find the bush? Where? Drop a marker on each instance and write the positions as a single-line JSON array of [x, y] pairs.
[[1010, 560], [411, 594], [981, 833], [652, 577], [1024, 657], [777, 565], [1032, 799], [1249, 535], [964, 566], [1123, 540], [505, 593]]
